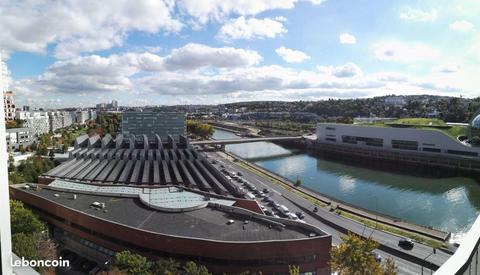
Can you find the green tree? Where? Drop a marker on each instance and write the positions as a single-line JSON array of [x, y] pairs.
[[23, 245], [192, 268], [51, 154], [134, 264], [23, 220], [11, 163], [293, 270], [199, 129], [354, 257], [389, 267], [21, 148], [42, 150], [166, 267], [64, 148]]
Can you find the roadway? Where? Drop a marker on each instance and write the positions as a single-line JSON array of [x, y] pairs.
[[406, 260]]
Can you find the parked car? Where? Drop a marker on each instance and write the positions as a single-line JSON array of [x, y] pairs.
[[239, 174], [300, 215], [292, 216], [268, 212], [274, 204], [267, 199], [265, 190], [404, 242], [260, 194]]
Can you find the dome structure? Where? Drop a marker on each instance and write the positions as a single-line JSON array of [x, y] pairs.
[[475, 122], [474, 127]]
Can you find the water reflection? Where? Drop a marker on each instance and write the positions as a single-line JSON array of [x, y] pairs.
[[445, 202]]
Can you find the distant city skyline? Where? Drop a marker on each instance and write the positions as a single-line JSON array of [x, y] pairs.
[[63, 54]]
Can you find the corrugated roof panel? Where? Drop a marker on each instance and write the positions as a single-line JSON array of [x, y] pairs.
[[116, 171], [102, 176]]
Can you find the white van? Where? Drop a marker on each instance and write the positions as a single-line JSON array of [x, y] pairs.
[[282, 208]]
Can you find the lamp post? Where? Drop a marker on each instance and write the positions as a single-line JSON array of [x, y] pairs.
[[424, 259]]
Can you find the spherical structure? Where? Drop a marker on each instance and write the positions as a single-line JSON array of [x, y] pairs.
[[475, 122]]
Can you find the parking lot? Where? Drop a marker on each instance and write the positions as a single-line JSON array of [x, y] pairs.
[[270, 200]]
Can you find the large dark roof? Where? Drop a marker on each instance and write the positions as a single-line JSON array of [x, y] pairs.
[[139, 161], [205, 223]]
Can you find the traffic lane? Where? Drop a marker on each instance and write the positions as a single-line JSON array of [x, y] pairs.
[[420, 251], [403, 266]]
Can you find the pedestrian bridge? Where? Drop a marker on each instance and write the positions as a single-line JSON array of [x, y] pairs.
[[244, 140]]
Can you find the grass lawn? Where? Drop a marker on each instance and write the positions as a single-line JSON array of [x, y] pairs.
[[424, 124]]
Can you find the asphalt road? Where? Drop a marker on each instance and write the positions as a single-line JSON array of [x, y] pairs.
[[407, 261]]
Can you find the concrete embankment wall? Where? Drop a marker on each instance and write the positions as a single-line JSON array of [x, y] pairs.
[[394, 222], [469, 165]]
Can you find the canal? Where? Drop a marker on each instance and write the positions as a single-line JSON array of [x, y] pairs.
[[448, 203]]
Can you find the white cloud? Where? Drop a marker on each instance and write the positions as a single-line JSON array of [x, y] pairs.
[[346, 38], [447, 68], [80, 26], [134, 75], [474, 50], [461, 26], [251, 28], [316, 2], [417, 15], [346, 70], [93, 73], [403, 52], [291, 56], [194, 56], [218, 10]]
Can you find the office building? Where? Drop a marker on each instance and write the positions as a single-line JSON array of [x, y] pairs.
[[19, 136], [153, 123], [82, 117], [164, 200]]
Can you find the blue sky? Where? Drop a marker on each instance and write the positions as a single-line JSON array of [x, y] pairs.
[[63, 54]]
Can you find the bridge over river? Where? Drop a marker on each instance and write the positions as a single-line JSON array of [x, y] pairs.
[[245, 140]]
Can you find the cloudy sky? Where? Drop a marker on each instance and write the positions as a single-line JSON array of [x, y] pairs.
[[64, 53]]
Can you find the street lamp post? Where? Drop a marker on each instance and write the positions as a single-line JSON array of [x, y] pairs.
[[424, 259]]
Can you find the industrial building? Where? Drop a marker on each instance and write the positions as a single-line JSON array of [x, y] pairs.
[[162, 198], [150, 124]]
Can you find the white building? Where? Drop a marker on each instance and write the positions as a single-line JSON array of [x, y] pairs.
[[38, 124], [82, 117], [19, 136], [431, 142], [396, 101]]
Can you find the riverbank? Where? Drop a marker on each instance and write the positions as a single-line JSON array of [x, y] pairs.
[[430, 198], [431, 237]]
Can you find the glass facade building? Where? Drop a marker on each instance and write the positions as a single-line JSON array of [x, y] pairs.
[[151, 123]]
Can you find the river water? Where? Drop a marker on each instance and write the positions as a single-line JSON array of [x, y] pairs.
[[448, 203]]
